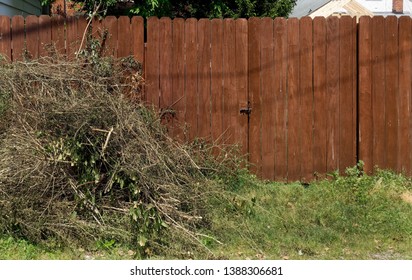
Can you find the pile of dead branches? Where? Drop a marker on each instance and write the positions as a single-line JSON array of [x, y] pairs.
[[80, 162]]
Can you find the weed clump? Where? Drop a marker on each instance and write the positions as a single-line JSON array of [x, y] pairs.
[[80, 162]]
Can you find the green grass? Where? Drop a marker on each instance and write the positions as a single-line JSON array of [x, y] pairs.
[[352, 217], [346, 218], [18, 249]]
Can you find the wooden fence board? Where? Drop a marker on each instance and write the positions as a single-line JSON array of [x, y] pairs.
[[32, 36], [83, 29], [332, 93], [204, 54], [17, 34], [5, 37], [230, 109], [44, 35], [216, 81], [241, 50], [346, 102], [320, 115], [73, 37], [58, 35], [391, 94], [405, 74], [311, 48], [294, 129], [165, 64], [191, 78], [365, 94], [254, 96], [152, 60], [280, 91], [137, 31], [98, 30], [268, 98], [178, 74], [110, 24], [355, 75], [378, 91], [124, 47]]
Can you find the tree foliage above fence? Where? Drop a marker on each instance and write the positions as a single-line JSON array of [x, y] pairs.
[[190, 8]]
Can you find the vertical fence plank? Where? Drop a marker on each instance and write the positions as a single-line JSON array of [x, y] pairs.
[[73, 37], [5, 37], [178, 74], [18, 46], [311, 62], [268, 98], [254, 96], [332, 93], [216, 82], [229, 84], [137, 31], [391, 95], [152, 62], [320, 100], [191, 77], [204, 33], [294, 132], [355, 75], [365, 94], [32, 36], [58, 35], [44, 35], [346, 102], [165, 64], [124, 48], [280, 91], [241, 50], [405, 74], [98, 30], [84, 29], [378, 91], [110, 25]]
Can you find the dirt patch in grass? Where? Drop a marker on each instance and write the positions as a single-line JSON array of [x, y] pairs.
[[407, 197]]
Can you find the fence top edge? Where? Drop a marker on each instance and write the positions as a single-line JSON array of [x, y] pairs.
[[152, 18]]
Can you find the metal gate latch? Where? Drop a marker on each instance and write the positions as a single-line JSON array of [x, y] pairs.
[[246, 110]]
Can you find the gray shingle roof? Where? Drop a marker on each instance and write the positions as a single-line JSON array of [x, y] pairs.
[[305, 7]]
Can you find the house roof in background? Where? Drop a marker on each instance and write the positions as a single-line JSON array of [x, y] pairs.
[[20, 7], [352, 8], [305, 7], [342, 7]]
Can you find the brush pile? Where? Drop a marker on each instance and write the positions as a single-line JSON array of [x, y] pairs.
[[80, 162]]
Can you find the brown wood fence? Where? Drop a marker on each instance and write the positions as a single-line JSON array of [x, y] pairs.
[[300, 97], [35, 37], [385, 72]]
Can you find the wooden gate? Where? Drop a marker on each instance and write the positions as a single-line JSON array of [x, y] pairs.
[[284, 90]]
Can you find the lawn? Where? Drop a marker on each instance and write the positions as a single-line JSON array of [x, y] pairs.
[[352, 217]]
